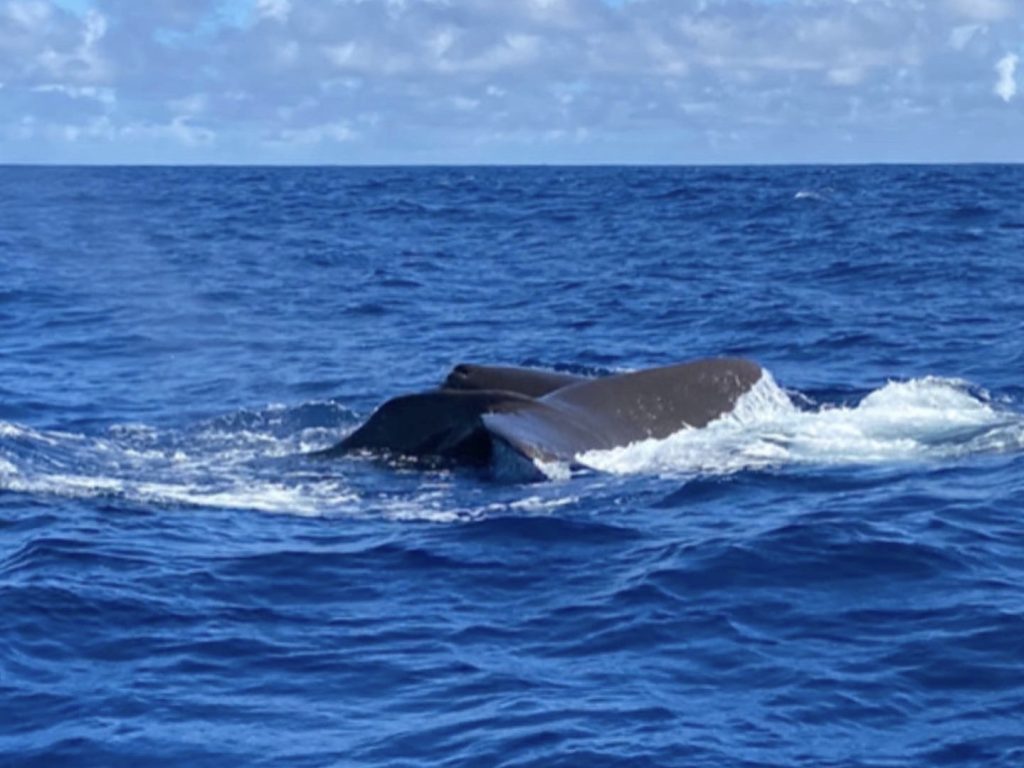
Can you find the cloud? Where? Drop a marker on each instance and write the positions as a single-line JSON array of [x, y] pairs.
[[102, 95], [336, 132], [479, 81], [960, 37], [274, 9], [1006, 85], [982, 10], [27, 13], [42, 43], [179, 129]]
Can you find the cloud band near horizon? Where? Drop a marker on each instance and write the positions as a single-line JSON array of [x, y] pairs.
[[479, 81]]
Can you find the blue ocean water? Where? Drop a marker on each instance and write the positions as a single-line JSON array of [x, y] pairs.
[[832, 576]]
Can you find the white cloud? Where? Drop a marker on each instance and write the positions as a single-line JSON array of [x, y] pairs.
[[82, 61], [846, 75], [286, 53], [95, 28], [341, 55], [99, 128], [278, 10], [669, 58], [512, 52], [180, 130], [464, 103], [22, 129], [30, 14], [982, 10], [102, 95], [190, 105], [441, 42], [961, 36], [1006, 85], [328, 132]]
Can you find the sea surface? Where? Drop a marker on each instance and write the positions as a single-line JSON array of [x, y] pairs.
[[831, 576]]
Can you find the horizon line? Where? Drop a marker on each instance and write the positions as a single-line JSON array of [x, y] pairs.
[[800, 164]]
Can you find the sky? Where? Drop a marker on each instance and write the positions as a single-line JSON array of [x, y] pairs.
[[511, 81]]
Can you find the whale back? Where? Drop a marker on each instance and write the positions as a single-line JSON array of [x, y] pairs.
[[524, 381], [617, 410]]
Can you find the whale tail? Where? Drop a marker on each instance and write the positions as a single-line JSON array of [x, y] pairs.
[[615, 411], [481, 406], [444, 424]]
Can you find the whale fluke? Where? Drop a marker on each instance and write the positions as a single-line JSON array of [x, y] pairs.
[[443, 424], [614, 411], [547, 416]]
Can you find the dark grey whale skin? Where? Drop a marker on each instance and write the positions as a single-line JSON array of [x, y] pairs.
[[615, 411], [444, 424], [440, 425], [524, 381], [549, 416]]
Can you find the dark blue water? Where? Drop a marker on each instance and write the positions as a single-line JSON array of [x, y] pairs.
[[834, 576]]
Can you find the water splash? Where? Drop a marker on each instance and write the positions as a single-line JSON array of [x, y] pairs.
[[919, 420]]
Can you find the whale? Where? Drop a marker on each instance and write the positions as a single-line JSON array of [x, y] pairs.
[[480, 412], [530, 382]]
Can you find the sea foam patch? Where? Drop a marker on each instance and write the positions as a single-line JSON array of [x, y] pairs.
[[234, 464], [220, 465]]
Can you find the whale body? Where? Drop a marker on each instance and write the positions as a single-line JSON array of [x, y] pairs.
[[545, 416]]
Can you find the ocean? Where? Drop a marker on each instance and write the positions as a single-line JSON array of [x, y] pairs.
[[832, 575]]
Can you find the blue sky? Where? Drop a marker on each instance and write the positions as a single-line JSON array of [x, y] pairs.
[[511, 81]]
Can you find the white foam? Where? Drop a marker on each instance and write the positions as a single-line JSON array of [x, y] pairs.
[[68, 485], [210, 468], [539, 504], [438, 507], [553, 470], [307, 500], [18, 432], [922, 419], [279, 498]]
